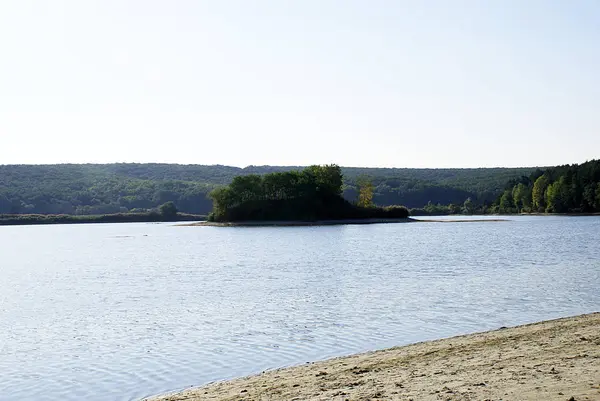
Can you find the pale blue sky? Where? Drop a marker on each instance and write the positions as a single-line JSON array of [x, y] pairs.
[[358, 83]]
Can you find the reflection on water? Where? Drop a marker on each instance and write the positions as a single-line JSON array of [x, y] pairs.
[[122, 311]]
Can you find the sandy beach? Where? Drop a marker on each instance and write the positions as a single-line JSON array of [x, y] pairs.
[[551, 360]]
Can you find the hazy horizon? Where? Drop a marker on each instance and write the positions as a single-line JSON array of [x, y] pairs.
[[276, 165], [385, 84]]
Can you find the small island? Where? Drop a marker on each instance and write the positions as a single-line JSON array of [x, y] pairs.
[[300, 197]]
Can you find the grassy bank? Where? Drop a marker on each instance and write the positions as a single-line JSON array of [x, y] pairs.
[[551, 360], [32, 219]]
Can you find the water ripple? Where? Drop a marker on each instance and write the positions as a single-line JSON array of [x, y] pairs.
[[86, 314]]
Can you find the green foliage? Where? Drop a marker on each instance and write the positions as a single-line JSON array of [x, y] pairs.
[[91, 189], [311, 194], [557, 196], [538, 193], [432, 209], [416, 187], [95, 189], [563, 189], [328, 178], [365, 192], [168, 210], [506, 202], [522, 197], [468, 207]]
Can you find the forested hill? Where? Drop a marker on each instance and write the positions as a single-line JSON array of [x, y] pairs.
[[571, 188], [112, 188]]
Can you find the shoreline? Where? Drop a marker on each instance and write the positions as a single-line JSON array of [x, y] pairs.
[[297, 223], [550, 360], [200, 220], [301, 223], [45, 219]]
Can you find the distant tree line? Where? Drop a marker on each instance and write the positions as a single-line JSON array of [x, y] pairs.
[[564, 189], [89, 190], [468, 207], [314, 193], [92, 189], [165, 213]]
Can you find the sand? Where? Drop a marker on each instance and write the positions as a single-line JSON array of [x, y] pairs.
[[552, 360]]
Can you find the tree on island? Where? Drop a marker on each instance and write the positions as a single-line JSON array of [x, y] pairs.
[[365, 191], [314, 193]]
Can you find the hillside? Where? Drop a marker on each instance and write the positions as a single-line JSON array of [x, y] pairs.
[[114, 188]]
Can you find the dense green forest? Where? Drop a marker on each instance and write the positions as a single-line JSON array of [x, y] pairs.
[[90, 189], [314, 193], [564, 189]]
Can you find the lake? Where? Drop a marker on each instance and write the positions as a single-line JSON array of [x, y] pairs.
[[124, 311]]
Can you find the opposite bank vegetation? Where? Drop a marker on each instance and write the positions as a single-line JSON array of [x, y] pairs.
[[315, 193], [568, 189], [166, 213], [96, 189], [133, 192], [564, 189]]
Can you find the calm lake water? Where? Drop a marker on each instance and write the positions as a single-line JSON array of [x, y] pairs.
[[123, 311]]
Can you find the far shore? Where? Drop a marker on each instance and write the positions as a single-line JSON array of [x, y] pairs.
[[551, 360], [558, 214], [43, 219], [294, 223], [200, 220]]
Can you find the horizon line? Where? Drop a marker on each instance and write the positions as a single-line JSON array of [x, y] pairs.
[[281, 165]]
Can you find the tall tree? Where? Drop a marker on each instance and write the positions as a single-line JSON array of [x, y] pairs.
[[557, 196], [522, 197], [365, 192], [538, 194], [506, 202]]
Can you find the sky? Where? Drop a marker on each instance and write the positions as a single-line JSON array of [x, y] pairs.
[[357, 83]]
